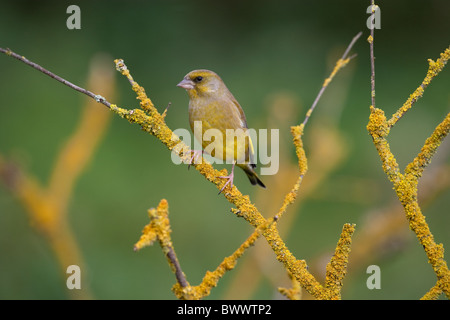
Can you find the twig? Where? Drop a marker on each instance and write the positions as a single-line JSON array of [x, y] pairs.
[[158, 229], [297, 131], [350, 46], [151, 121], [181, 278], [434, 68], [405, 184], [337, 267], [211, 279], [423, 159], [433, 293], [94, 96], [339, 64], [165, 113], [372, 59]]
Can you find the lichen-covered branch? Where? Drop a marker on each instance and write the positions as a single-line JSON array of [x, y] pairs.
[[151, 121], [433, 293], [297, 131], [337, 267], [423, 159], [434, 68], [405, 184], [342, 62], [159, 230]]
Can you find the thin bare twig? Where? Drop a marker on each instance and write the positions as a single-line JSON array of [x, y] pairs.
[[372, 60], [342, 62], [181, 278], [153, 122], [94, 96]]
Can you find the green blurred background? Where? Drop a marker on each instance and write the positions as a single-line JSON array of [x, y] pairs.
[[262, 50]]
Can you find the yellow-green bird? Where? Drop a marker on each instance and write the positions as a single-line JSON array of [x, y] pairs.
[[213, 105]]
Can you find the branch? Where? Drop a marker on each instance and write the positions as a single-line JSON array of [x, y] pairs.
[[339, 65], [372, 59], [433, 293], [405, 184], [337, 267], [151, 121], [159, 229], [423, 159], [96, 97], [297, 131], [434, 68]]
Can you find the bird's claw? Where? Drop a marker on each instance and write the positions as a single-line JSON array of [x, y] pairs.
[[230, 178], [229, 182], [195, 155]]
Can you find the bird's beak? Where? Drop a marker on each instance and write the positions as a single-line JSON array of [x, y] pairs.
[[187, 84]]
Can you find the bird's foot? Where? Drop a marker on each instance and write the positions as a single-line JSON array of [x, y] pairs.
[[230, 178], [194, 158]]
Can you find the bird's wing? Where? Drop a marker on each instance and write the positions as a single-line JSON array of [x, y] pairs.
[[240, 111], [250, 151]]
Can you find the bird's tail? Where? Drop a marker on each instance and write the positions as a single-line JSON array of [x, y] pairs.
[[252, 176]]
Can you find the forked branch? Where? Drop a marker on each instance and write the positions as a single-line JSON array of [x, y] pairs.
[[151, 121], [405, 183]]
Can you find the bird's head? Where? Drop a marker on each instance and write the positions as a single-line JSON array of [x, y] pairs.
[[200, 83]]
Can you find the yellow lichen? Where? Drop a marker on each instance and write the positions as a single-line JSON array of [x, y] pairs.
[[339, 65], [337, 267], [434, 69], [405, 184], [151, 121]]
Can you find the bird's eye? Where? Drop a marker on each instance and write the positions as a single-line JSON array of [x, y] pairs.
[[198, 79]]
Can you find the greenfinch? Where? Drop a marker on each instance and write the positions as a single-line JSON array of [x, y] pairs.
[[213, 106]]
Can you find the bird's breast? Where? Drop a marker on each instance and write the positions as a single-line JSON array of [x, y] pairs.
[[210, 122]]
